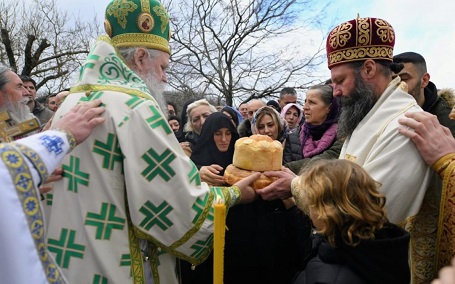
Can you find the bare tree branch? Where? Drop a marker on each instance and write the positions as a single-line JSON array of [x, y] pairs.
[[8, 49], [239, 50], [64, 54], [51, 77], [40, 40]]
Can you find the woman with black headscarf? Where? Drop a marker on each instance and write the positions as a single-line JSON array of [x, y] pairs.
[[215, 148], [212, 154]]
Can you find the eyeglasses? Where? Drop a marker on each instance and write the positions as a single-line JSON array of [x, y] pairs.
[[171, 112]]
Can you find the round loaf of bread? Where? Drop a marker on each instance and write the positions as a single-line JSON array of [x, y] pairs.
[[232, 174], [258, 153]]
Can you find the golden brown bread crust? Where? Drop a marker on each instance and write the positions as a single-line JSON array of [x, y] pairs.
[[232, 174], [258, 153]]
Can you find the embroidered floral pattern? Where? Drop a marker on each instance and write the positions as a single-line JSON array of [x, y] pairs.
[[385, 31], [114, 70], [161, 12], [363, 38], [363, 30], [120, 9], [340, 36]]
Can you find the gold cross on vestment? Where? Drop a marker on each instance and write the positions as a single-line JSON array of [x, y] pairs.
[[10, 131]]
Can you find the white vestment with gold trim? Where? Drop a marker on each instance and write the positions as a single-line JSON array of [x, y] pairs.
[[407, 182]]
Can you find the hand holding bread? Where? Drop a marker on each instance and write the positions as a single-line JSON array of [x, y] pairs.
[[210, 175], [257, 153], [248, 194], [281, 187]]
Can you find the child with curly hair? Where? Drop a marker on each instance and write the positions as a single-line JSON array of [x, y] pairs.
[[353, 242]]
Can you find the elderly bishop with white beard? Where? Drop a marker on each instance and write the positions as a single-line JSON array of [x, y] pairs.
[[131, 203]]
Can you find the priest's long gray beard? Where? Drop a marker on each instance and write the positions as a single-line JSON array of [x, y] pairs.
[[18, 111], [156, 88], [355, 106]]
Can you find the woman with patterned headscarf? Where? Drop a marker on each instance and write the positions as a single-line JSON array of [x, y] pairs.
[[267, 121], [292, 114]]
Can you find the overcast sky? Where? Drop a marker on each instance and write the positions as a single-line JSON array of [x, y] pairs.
[[425, 27]]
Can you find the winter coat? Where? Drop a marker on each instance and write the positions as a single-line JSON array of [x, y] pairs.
[[311, 147], [42, 113], [265, 242], [439, 105], [331, 153], [244, 128], [193, 138], [381, 260], [292, 149]]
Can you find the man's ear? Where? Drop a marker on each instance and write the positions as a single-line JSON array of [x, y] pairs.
[[140, 59], [425, 79], [369, 69]]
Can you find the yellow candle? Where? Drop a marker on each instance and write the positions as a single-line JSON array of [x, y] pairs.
[[218, 243]]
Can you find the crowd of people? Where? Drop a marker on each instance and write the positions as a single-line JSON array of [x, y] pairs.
[[117, 187]]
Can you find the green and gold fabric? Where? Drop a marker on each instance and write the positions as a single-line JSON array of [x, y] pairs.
[[138, 23], [445, 241], [129, 181]]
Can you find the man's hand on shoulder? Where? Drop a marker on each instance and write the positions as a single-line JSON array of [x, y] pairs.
[[81, 120]]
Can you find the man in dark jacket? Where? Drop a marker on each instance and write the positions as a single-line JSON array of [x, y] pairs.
[[422, 89], [39, 110]]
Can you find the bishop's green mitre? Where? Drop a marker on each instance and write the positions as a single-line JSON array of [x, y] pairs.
[[138, 23]]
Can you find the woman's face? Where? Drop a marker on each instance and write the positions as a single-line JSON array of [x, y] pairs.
[[291, 116], [266, 126], [198, 115], [174, 125], [315, 110], [222, 138]]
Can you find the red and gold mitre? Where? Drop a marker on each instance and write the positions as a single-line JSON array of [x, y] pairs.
[[360, 39]]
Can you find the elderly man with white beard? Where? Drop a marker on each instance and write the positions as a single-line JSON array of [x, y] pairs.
[[131, 202], [13, 102]]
